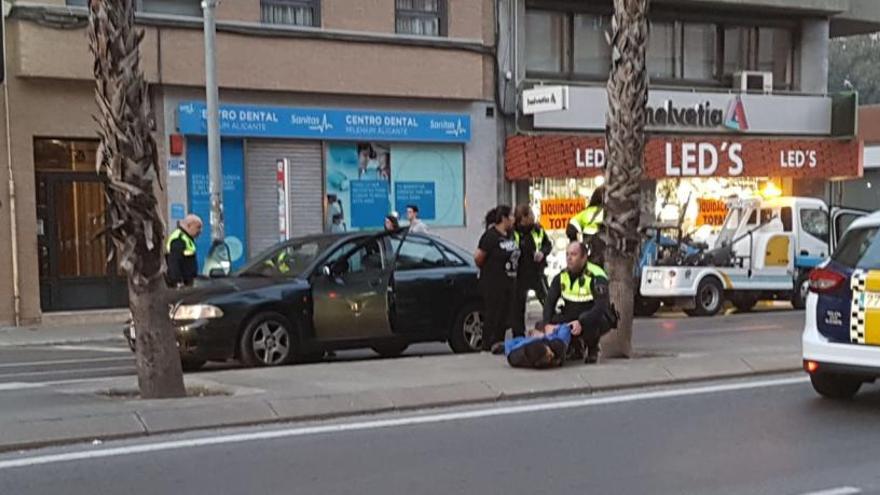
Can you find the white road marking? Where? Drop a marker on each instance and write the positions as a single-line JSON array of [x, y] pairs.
[[64, 361], [56, 372], [93, 348], [18, 386], [391, 423], [842, 490]]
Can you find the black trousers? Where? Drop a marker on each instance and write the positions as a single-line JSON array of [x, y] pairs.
[[539, 285], [499, 302]]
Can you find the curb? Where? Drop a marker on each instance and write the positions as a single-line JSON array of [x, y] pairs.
[[351, 405]]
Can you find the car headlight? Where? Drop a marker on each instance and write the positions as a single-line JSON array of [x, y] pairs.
[[190, 312]]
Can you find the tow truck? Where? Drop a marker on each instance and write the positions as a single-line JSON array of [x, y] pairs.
[[764, 251]]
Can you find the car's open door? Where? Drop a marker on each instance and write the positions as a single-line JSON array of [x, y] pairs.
[[351, 292], [841, 218]]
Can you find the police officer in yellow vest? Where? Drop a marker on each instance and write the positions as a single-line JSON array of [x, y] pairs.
[[589, 220], [180, 252], [535, 246], [583, 288]]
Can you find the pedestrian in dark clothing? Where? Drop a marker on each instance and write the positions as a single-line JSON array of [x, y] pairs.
[[583, 287], [498, 258], [535, 246], [180, 252], [392, 224]]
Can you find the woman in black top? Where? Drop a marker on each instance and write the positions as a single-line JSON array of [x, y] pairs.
[[535, 246], [498, 258]]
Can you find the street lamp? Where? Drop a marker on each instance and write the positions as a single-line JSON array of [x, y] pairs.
[[215, 171]]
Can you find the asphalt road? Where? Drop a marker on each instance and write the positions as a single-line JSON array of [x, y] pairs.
[[777, 438], [666, 333]]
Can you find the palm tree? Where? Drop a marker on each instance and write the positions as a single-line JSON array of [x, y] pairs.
[[127, 157], [625, 143]]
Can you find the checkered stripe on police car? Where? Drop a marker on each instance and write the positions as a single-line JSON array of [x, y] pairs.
[[858, 283]]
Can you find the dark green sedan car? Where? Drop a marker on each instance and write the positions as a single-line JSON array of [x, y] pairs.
[[311, 295]]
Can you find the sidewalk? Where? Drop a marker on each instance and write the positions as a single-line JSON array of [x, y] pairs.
[[44, 335], [36, 415]]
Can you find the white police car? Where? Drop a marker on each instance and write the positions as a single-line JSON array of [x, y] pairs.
[[841, 340]]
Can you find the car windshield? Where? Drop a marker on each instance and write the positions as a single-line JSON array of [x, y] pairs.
[[286, 261], [859, 248]]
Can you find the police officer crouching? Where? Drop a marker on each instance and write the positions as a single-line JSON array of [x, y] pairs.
[[583, 288], [180, 252]]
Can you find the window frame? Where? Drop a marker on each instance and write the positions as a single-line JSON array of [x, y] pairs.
[[415, 239], [442, 16], [719, 78], [315, 5]]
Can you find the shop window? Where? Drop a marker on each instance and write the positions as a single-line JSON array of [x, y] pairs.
[[421, 17], [291, 12], [815, 222], [592, 53], [545, 38], [661, 50], [65, 155], [699, 51], [366, 181]]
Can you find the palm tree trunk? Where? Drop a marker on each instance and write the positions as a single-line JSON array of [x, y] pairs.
[[127, 156], [625, 142]]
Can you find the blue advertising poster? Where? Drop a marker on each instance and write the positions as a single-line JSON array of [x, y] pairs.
[[358, 186], [369, 203], [232, 156], [327, 124], [420, 194]]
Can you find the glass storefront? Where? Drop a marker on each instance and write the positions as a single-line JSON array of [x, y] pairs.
[[365, 181], [703, 201]]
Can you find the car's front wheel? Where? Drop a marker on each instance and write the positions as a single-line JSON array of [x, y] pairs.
[[835, 386], [267, 340], [467, 334]]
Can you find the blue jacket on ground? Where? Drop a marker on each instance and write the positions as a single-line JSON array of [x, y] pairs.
[[562, 333]]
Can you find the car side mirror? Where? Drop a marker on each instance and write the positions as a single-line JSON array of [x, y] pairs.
[[217, 273]]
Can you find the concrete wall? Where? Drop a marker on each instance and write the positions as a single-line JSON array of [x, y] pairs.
[[288, 64], [6, 292]]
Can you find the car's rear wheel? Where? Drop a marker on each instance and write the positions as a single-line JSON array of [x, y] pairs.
[[835, 386], [267, 340], [191, 364], [389, 349], [467, 334], [709, 299], [801, 290]]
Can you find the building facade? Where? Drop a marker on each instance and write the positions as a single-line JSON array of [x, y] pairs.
[[737, 104], [332, 116]]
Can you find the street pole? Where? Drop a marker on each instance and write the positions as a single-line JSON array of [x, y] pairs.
[[215, 171]]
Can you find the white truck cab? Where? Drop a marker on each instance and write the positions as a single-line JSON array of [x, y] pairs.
[[764, 250]]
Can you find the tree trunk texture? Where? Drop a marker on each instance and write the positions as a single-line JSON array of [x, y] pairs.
[[127, 157], [625, 143]]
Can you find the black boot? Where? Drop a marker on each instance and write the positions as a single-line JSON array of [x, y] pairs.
[[592, 354]]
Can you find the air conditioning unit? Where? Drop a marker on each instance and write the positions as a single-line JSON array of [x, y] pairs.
[[750, 80]]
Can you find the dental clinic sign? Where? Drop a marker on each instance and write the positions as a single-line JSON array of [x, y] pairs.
[[700, 113], [326, 124]]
